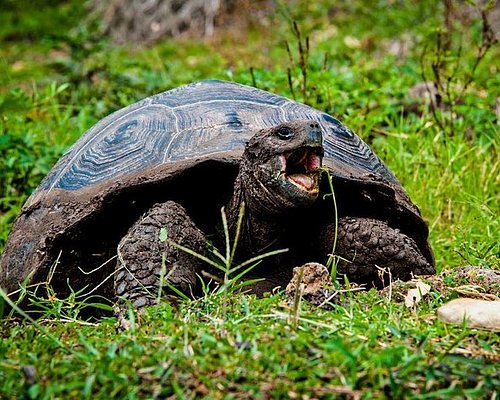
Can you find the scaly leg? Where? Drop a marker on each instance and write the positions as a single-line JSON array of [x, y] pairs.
[[143, 258], [370, 246]]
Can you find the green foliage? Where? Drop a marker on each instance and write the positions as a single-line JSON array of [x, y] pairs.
[[255, 352], [453, 73], [35, 129], [222, 261], [356, 60]]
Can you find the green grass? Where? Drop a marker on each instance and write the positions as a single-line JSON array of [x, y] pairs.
[[57, 79], [370, 345]]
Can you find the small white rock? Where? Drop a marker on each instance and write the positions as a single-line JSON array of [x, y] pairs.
[[414, 296], [478, 313]]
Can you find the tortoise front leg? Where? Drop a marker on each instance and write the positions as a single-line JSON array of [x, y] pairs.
[[143, 258], [369, 246]]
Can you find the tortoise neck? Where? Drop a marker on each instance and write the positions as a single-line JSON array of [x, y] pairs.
[[261, 231]]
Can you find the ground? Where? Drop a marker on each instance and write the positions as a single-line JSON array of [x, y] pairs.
[[359, 63]]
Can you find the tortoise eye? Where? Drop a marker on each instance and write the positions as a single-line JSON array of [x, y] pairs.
[[285, 132]]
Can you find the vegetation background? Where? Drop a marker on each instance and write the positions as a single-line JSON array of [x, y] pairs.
[[362, 61]]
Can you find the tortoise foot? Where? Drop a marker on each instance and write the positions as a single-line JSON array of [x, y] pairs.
[[370, 250], [148, 263]]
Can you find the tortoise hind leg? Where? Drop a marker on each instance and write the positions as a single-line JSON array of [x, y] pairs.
[[143, 258], [368, 247]]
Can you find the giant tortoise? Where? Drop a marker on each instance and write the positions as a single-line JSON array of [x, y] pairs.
[[173, 160]]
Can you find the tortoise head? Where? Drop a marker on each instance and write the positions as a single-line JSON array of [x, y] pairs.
[[280, 167]]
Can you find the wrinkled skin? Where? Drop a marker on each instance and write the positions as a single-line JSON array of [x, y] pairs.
[[265, 187], [140, 254], [279, 184]]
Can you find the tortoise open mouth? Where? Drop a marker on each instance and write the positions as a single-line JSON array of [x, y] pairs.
[[301, 167]]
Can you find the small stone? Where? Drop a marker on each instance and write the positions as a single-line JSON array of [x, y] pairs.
[[314, 282], [30, 374], [478, 313], [414, 296]]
